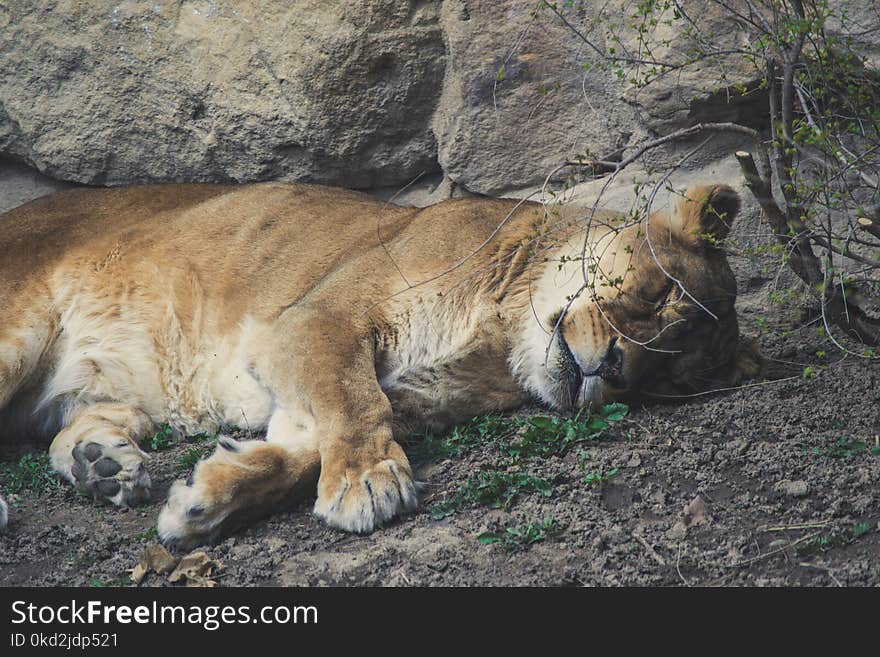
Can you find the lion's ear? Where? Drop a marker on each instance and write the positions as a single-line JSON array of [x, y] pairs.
[[705, 213]]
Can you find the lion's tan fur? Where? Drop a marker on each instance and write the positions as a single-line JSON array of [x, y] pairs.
[[332, 320]]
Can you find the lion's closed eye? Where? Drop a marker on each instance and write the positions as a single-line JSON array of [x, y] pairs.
[[671, 296]]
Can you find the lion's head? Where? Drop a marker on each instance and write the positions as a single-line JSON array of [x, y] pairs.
[[655, 317]]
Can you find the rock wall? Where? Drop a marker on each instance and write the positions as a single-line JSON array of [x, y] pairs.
[[100, 92], [462, 96]]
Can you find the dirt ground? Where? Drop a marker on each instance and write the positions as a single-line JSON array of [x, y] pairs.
[[781, 481]]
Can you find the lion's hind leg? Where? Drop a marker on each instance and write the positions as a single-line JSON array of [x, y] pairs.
[[240, 481], [98, 453], [28, 324]]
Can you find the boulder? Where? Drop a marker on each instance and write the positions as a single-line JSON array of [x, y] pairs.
[[440, 98], [523, 93], [212, 90]]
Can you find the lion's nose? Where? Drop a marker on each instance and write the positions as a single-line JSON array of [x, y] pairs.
[[611, 367]]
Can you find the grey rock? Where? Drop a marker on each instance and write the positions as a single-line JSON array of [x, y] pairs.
[[499, 131], [798, 488], [137, 91], [417, 100]]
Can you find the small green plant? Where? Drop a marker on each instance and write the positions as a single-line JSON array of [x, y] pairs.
[[497, 490], [522, 536], [201, 438], [187, 461], [842, 447], [520, 437], [480, 431], [834, 539], [596, 478], [31, 472], [152, 534], [545, 435], [860, 529], [162, 439]]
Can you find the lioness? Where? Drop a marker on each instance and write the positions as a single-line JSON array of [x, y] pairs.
[[336, 323]]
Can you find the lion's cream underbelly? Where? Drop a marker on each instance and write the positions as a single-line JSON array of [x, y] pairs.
[[109, 351]]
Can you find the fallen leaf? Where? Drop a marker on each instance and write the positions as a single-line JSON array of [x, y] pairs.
[[153, 558], [694, 513], [138, 573], [195, 569]]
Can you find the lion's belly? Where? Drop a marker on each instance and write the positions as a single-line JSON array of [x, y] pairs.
[[145, 357]]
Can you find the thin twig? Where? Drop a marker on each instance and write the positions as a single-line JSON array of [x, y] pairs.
[[795, 527], [710, 392], [761, 557], [678, 567], [650, 550]]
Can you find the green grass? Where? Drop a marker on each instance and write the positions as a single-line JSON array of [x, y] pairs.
[[152, 534], [596, 478], [483, 430], [518, 437], [496, 490], [547, 435], [834, 539], [516, 537], [187, 461], [31, 473], [844, 447], [161, 440]]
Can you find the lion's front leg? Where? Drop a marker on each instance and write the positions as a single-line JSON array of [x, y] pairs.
[[331, 414], [365, 481], [365, 478], [240, 482]]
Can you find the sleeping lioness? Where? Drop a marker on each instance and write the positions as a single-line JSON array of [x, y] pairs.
[[336, 323]]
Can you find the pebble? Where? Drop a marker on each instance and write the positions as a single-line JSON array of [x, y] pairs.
[[739, 446], [797, 488], [634, 461]]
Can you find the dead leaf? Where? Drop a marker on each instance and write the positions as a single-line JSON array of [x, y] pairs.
[[694, 513], [195, 569], [154, 557], [200, 582]]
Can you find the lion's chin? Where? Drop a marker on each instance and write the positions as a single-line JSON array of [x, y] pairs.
[[591, 392], [594, 392]]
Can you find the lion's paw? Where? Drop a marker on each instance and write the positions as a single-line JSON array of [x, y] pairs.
[[196, 508], [362, 501], [188, 517], [109, 467]]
